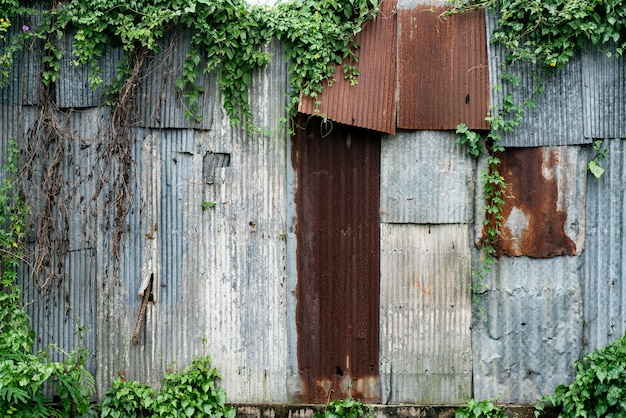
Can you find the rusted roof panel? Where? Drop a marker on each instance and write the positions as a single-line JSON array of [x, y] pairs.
[[426, 314], [413, 164], [443, 73], [338, 260], [371, 103], [544, 203], [532, 330]]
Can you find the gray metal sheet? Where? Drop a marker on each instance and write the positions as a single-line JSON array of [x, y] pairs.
[[604, 83], [160, 104], [604, 288], [425, 314], [73, 89], [528, 328], [557, 118], [425, 178]]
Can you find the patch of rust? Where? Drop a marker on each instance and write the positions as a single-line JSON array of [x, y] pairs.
[[533, 225]]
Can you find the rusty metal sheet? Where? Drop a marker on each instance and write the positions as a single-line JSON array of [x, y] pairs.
[[544, 202], [371, 103], [338, 251], [443, 71]]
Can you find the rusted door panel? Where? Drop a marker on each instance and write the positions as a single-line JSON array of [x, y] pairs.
[[338, 260]]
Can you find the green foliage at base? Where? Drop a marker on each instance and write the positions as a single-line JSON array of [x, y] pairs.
[[345, 408], [191, 392], [599, 389], [22, 372], [480, 409]]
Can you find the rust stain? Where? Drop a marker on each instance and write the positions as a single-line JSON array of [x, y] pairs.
[[427, 290], [371, 103], [533, 226], [338, 260], [443, 71]]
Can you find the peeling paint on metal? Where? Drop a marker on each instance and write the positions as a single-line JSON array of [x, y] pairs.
[[528, 328], [443, 72], [338, 260], [425, 178], [544, 202], [371, 103], [557, 117], [425, 314]]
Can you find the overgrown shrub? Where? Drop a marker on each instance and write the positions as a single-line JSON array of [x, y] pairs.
[[345, 408], [192, 392], [480, 409], [599, 389]]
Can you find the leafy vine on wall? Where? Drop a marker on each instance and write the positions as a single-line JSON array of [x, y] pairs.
[[548, 34]]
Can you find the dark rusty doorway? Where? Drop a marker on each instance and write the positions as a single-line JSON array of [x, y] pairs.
[[338, 259]]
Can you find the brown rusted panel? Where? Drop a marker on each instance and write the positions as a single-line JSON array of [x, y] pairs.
[[338, 258], [371, 103], [443, 71], [533, 224]]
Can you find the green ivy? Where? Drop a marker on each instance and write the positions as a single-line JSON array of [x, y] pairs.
[[228, 37], [598, 389], [22, 372], [480, 409], [191, 392]]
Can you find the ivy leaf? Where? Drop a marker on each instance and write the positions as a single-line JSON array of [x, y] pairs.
[[595, 169]]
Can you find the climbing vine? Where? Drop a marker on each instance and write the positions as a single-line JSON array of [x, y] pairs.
[[548, 34]]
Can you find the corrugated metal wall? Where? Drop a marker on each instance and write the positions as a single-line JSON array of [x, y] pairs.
[[213, 219]]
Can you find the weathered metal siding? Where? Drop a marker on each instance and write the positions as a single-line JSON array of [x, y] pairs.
[[443, 76], [73, 89], [557, 118], [338, 260], [528, 328], [604, 286], [371, 103], [425, 312], [544, 209], [426, 178], [604, 83]]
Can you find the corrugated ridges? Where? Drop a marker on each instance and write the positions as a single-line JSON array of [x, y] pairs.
[[604, 83], [443, 74], [425, 314], [557, 118], [604, 288], [371, 103], [72, 88], [528, 328], [22, 86], [413, 165], [160, 104]]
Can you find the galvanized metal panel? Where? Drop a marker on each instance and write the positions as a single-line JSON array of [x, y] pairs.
[[425, 314], [557, 118], [528, 328], [425, 178], [371, 103], [338, 268], [544, 209], [218, 272], [443, 73], [604, 83], [22, 86], [73, 88], [604, 287], [160, 104]]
